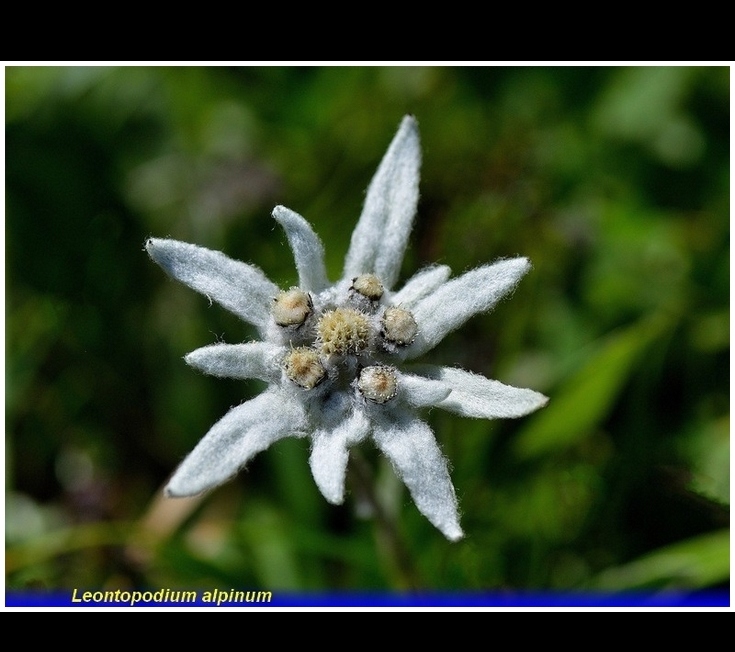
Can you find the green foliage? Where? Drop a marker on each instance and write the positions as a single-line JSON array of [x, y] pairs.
[[692, 564], [613, 181], [582, 402]]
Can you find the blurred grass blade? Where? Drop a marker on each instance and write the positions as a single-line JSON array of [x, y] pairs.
[[587, 396], [692, 564], [68, 540]]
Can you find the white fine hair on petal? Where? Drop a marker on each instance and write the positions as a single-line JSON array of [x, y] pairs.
[[380, 237], [459, 299], [330, 453], [250, 360], [421, 392], [473, 395], [240, 288], [410, 446], [420, 285], [307, 248], [243, 432]]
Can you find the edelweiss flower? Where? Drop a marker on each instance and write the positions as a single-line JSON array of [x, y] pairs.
[[332, 353]]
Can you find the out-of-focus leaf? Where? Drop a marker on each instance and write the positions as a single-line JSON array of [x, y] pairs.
[[588, 395], [643, 265], [693, 564], [711, 332], [34, 325], [65, 541], [268, 537], [644, 104], [709, 452]]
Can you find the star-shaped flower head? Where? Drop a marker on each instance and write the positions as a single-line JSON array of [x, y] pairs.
[[333, 354]]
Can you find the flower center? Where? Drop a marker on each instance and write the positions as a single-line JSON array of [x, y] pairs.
[[351, 329], [343, 331]]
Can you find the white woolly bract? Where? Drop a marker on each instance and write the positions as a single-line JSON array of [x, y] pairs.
[[308, 251], [473, 395], [380, 237], [243, 432], [420, 285], [330, 453], [241, 288], [419, 391], [453, 303], [251, 360], [410, 446]]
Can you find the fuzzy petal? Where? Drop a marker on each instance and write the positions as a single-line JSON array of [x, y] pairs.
[[251, 360], [241, 288], [330, 453], [410, 446], [459, 299], [473, 395], [243, 432], [380, 237], [308, 250], [419, 391], [420, 285]]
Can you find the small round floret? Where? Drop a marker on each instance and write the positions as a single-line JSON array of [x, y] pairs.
[[399, 326], [378, 383], [291, 307], [369, 286], [304, 367]]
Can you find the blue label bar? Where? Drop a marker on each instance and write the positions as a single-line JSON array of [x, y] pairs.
[[263, 599]]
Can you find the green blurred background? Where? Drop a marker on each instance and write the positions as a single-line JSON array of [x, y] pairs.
[[613, 181]]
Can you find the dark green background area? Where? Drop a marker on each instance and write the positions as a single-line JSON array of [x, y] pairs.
[[613, 181]]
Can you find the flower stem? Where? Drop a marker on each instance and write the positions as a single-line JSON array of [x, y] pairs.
[[389, 540]]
